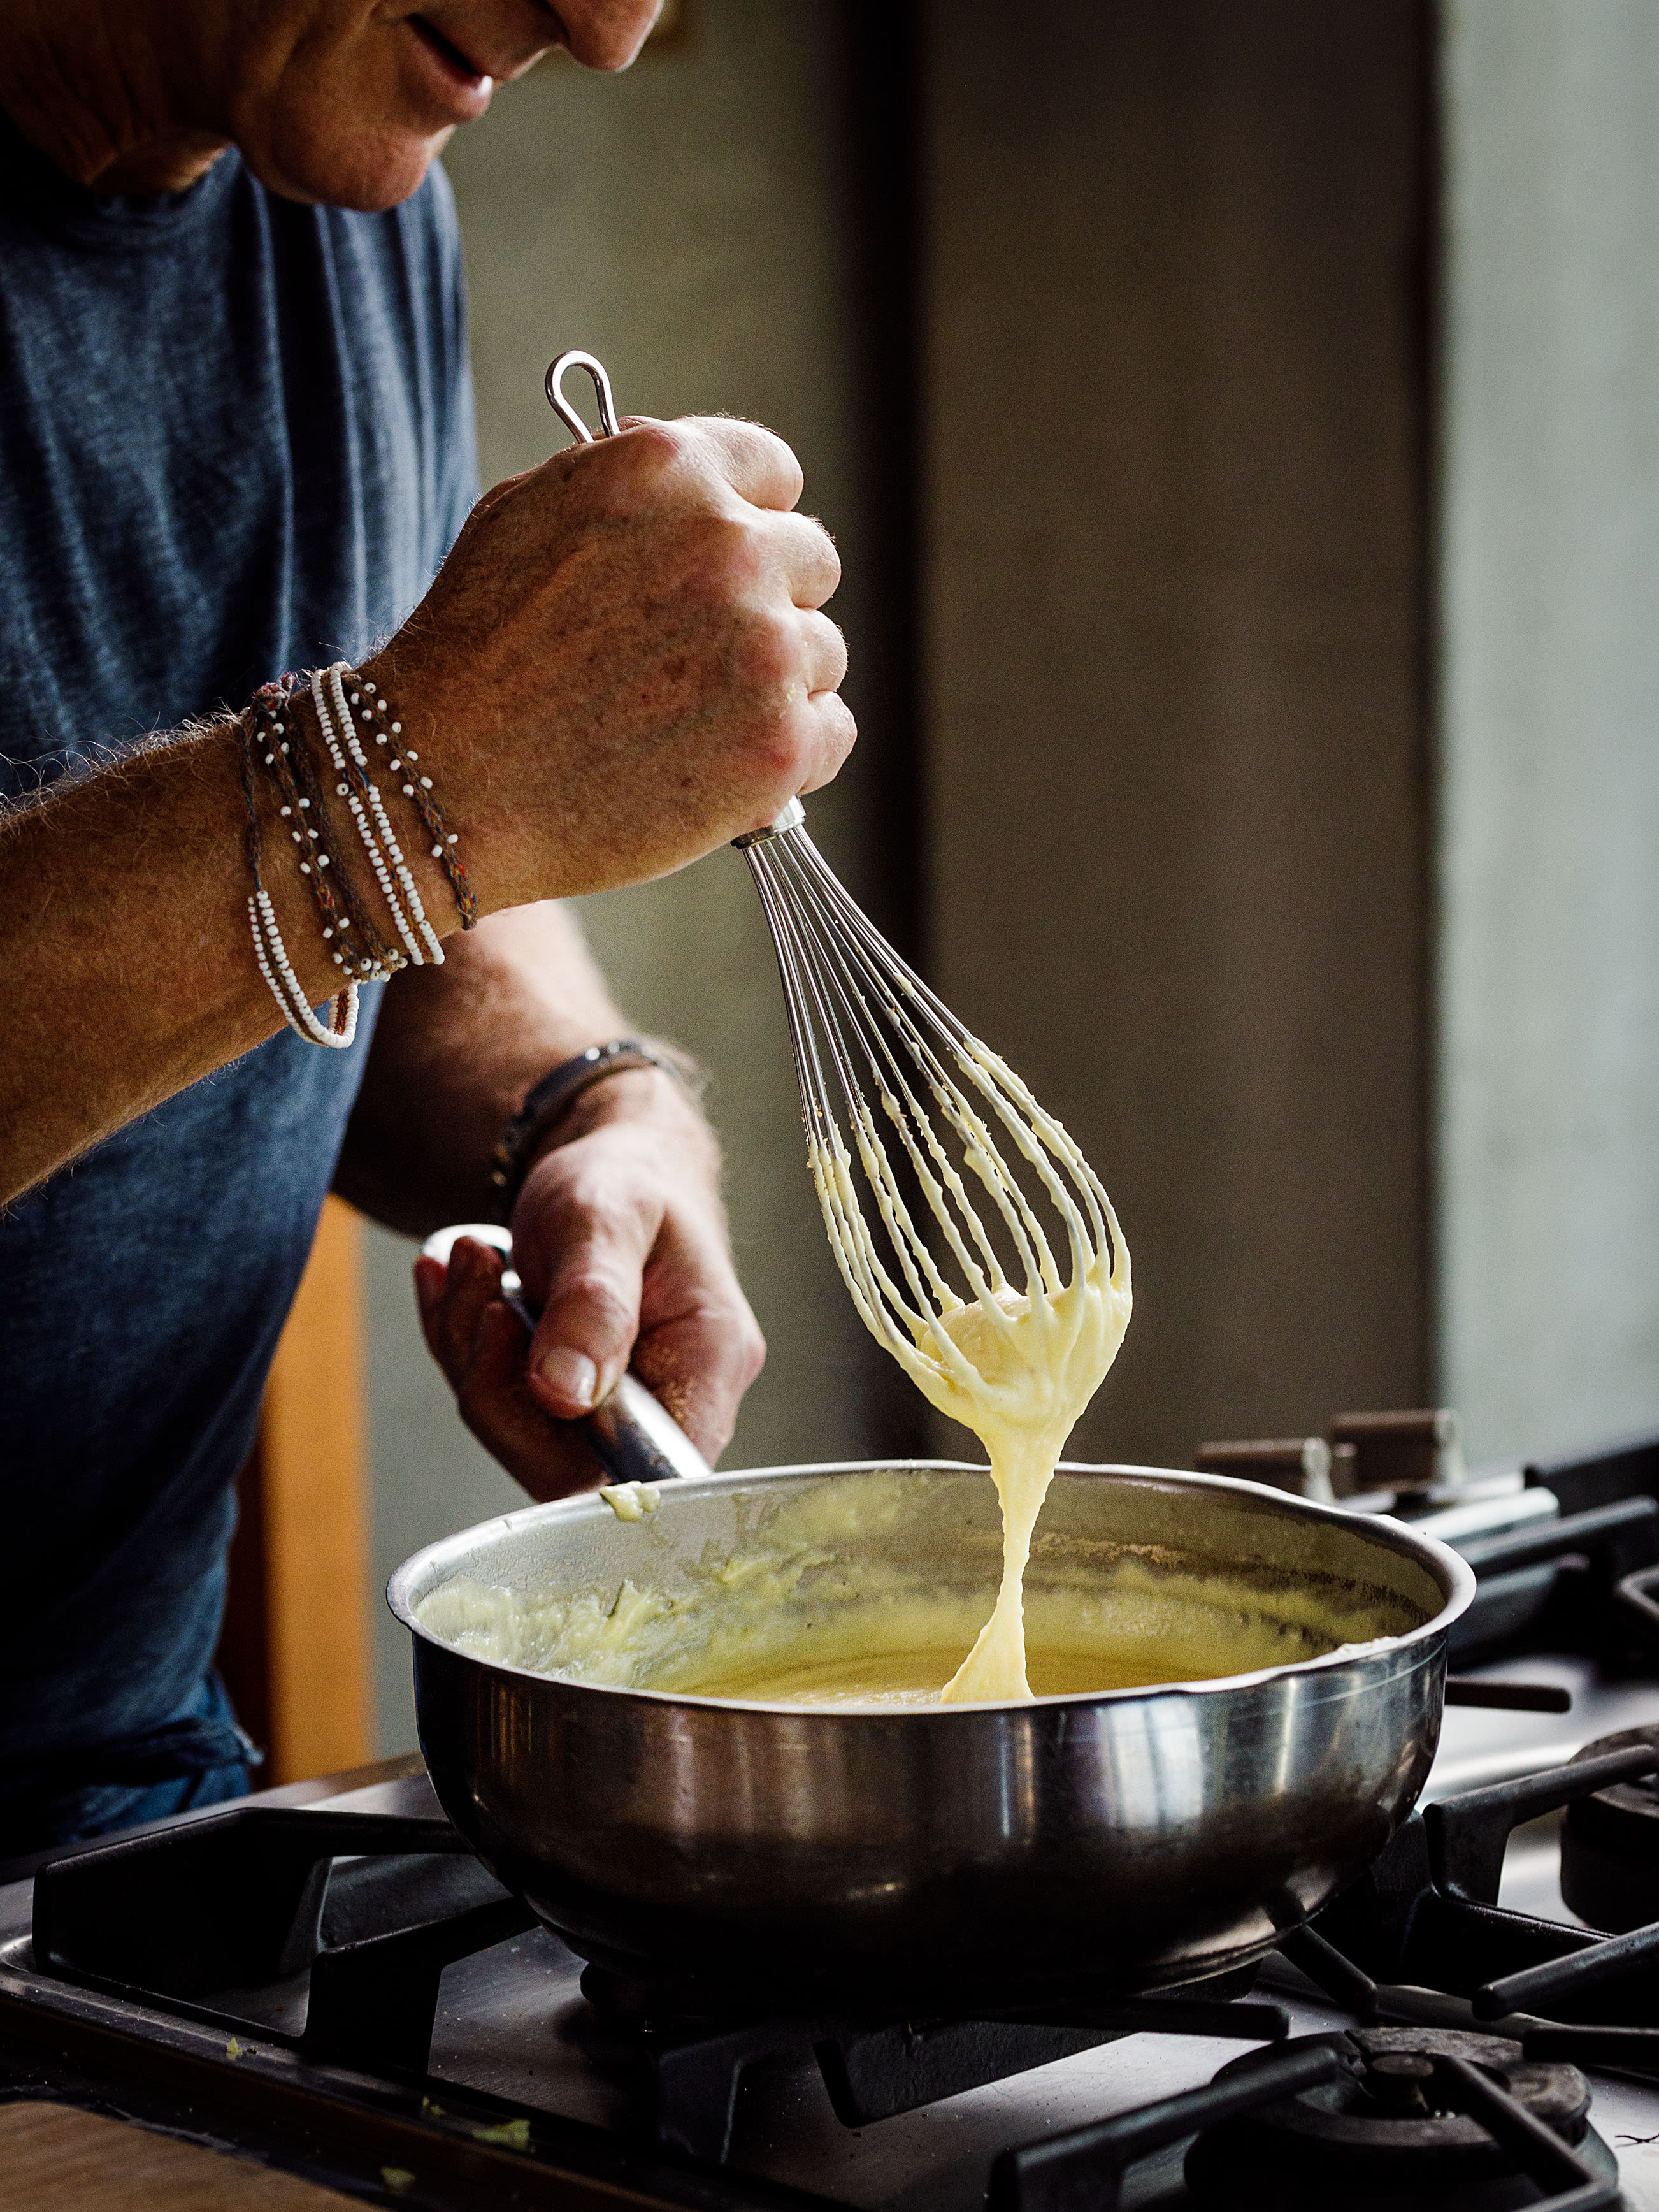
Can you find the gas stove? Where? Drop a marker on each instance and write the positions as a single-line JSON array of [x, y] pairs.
[[323, 1980]]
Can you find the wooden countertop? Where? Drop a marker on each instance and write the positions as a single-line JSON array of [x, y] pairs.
[[54, 2157]]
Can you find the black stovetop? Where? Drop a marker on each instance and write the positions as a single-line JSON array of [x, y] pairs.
[[321, 1979]]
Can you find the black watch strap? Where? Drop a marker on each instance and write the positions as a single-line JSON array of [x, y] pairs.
[[547, 1100]]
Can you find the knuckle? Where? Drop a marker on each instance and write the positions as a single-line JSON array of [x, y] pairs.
[[835, 648], [597, 1290], [725, 555], [648, 448], [843, 728], [620, 474], [768, 651], [778, 453], [751, 1353], [826, 558]]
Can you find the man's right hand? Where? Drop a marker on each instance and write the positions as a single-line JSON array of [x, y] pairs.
[[623, 665]]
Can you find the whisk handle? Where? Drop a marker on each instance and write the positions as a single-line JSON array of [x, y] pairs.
[[792, 819]]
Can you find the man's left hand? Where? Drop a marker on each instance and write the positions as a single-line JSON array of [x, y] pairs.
[[620, 1236]]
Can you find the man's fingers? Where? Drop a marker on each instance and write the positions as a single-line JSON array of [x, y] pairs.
[[591, 1316], [452, 1300], [699, 1366], [491, 1398], [806, 553], [825, 653], [758, 466], [830, 733]]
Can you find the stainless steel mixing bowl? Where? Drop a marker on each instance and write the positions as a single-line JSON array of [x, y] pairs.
[[1147, 1835]]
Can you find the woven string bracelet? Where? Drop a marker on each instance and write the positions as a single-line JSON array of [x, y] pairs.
[[373, 712], [268, 949], [348, 778], [359, 792], [371, 958], [286, 755]]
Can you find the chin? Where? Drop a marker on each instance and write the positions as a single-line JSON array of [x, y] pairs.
[[368, 173]]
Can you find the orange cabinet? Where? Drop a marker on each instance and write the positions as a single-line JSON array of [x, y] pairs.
[[295, 1651]]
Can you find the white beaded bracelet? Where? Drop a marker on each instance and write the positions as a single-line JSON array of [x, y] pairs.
[[268, 949], [355, 787], [364, 826], [354, 746], [341, 1029]]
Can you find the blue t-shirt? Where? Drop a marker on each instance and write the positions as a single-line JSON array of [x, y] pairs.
[[235, 437]]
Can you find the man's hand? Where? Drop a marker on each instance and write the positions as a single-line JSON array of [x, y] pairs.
[[619, 1235], [622, 662]]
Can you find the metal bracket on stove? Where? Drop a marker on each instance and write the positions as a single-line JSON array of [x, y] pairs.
[[1468, 1834], [1555, 1583], [372, 2003], [875, 2069], [1636, 1595], [226, 1902], [1546, 2161], [1511, 1697], [1423, 1919], [1604, 1963], [186, 1917]]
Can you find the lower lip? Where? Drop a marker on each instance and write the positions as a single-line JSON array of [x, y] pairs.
[[462, 95]]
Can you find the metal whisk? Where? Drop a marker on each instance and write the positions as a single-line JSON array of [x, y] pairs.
[[874, 1045], [872, 1040]]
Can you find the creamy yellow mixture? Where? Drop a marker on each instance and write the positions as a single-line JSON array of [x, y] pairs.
[[841, 1596], [631, 1501], [889, 1679], [1018, 1363]]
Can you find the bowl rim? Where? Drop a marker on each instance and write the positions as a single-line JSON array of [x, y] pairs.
[[1454, 1575]]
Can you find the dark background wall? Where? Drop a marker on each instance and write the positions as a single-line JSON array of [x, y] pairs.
[[1173, 551]]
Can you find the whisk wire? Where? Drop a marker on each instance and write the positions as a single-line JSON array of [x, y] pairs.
[[859, 925], [870, 1035], [874, 1293], [970, 1054], [849, 1004], [894, 1087]]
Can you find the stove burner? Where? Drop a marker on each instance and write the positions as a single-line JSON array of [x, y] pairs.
[[1610, 1844], [1383, 2132], [691, 2045]]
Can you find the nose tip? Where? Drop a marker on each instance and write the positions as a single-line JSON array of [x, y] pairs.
[[602, 34]]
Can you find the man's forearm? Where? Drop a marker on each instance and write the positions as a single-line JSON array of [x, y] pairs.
[[636, 617], [455, 1051], [125, 956]]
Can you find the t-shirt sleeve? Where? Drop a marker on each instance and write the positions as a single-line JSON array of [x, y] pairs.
[[455, 424]]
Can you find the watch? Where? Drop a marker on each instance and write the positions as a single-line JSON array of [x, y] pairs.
[[547, 1100]]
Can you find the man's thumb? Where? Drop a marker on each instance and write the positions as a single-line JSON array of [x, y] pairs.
[[587, 1329]]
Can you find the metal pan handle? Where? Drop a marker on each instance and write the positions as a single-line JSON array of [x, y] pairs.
[[633, 1433]]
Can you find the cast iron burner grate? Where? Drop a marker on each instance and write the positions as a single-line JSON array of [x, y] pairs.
[[329, 1932], [238, 1916], [882, 2060], [1373, 2120]]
